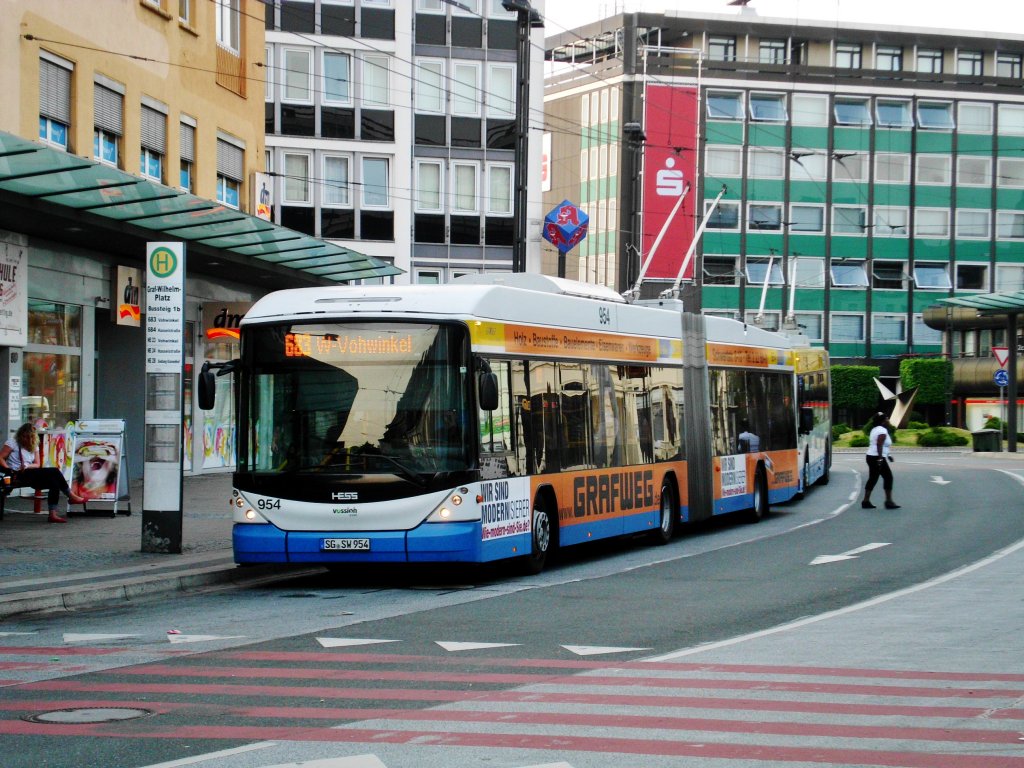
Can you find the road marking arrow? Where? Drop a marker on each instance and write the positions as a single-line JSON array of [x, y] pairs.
[[341, 642], [938, 480], [590, 650], [453, 646], [851, 555]]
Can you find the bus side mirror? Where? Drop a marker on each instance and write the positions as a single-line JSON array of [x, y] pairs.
[[488, 391], [206, 388], [806, 420]]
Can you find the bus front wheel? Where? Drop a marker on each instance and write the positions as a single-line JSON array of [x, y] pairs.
[[542, 536]]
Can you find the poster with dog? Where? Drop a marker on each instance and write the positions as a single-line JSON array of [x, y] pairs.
[[95, 465]]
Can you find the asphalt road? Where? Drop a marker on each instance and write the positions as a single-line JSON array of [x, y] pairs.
[[622, 654]]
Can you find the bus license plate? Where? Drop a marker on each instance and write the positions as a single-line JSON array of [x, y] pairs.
[[345, 545]]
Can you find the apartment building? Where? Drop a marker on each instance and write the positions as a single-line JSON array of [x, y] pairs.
[[853, 174], [390, 128]]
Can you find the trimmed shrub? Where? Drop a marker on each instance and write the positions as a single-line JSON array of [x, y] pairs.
[[917, 425], [859, 441], [937, 437], [838, 430]]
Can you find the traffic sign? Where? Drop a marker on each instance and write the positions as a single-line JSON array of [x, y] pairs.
[[1002, 378], [1001, 354]]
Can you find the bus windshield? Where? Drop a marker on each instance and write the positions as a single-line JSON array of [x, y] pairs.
[[358, 398]]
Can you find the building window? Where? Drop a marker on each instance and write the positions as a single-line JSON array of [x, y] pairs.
[[934, 169], [772, 52], [931, 277], [1011, 120], [465, 197], [969, 63], [889, 58], [296, 179], [765, 163], [54, 103], [769, 320], [376, 80], [931, 222], [336, 186], [1008, 65], [852, 111], [429, 86], [725, 216], [757, 271], [929, 61], [499, 190], [187, 156], [428, 277], [889, 328], [501, 91], [890, 222], [185, 12], [973, 224], [974, 171], [337, 78], [768, 107], [376, 190], [935, 115], [1010, 172], [298, 76], [849, 219], [971, 277], [847, 328], [725, 105], [806, 218], [1010, 226], [894, 113], [892, 168], [974, 118], [154, 144], [465, 89], [429, 186], [227, 18], [722, 48], [848, 56], [109, 120], [723, 161], [810, 109], [807, 166], [719, 270], [888, 275], [849, 166], [810, 272], [811, 323], [230, 169], [764, 217], [925, 335]]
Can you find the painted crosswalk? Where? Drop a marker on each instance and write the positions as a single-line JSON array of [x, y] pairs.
[[574, 710]]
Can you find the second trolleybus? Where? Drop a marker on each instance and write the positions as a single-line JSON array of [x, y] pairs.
[[506, 416]]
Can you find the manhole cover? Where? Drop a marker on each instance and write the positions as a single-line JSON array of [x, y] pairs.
[[89, 715]]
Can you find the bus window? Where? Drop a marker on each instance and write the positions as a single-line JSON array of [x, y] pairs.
[[604, 416], [574, 406], [636, 416], [497, 459]]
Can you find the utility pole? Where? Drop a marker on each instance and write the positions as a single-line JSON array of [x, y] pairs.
[[527, 18]]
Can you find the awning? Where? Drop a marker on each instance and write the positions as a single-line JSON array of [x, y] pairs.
[[47, 180], [990, 303]]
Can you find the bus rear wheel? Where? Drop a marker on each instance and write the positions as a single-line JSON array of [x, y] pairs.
[[760, 509], [667, 514], [543, 534]]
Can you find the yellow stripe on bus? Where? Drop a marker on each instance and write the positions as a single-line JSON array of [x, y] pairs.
[[540, 341]]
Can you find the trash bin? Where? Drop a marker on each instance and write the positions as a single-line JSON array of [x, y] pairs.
[[990, 440]]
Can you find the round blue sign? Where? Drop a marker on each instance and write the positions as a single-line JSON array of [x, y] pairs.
[[1002, 378]]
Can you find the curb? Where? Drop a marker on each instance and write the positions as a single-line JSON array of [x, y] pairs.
[[140, 588]]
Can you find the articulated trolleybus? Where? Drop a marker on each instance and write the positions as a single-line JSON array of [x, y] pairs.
[[503, 417]]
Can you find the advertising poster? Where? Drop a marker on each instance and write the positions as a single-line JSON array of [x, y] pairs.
[[96, 461], [670, 164], [13, 295], [128, 297]]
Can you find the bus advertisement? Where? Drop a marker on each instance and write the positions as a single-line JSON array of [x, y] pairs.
[[505, 416]]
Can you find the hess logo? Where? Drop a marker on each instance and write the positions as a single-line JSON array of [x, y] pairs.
[[345, 496]]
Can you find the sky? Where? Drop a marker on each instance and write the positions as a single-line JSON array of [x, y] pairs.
[[980, 15]]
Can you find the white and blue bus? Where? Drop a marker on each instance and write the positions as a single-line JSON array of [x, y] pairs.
[[502, 417]]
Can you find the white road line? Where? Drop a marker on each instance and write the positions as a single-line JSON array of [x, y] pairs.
[[213, 755]]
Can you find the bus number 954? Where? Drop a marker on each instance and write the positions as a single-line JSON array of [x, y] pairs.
[[269, 504]]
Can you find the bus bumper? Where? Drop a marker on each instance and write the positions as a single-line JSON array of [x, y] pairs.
[[429, 543]]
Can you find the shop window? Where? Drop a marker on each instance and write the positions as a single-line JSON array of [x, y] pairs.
[[51, 370]]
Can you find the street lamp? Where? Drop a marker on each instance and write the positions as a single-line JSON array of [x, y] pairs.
[[526, 19]]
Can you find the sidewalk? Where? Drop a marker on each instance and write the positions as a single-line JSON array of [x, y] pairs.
[[95, 558]]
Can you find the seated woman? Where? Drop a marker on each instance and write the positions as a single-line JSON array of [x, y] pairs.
[[19, 456]]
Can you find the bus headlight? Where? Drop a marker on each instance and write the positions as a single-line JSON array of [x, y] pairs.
[[452, 509], [243, 512]]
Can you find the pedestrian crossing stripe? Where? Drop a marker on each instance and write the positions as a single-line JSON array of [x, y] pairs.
[[591, 650], [341, 642], [450, 646]]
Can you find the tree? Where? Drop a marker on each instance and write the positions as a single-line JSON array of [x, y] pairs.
[[931, 375]]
